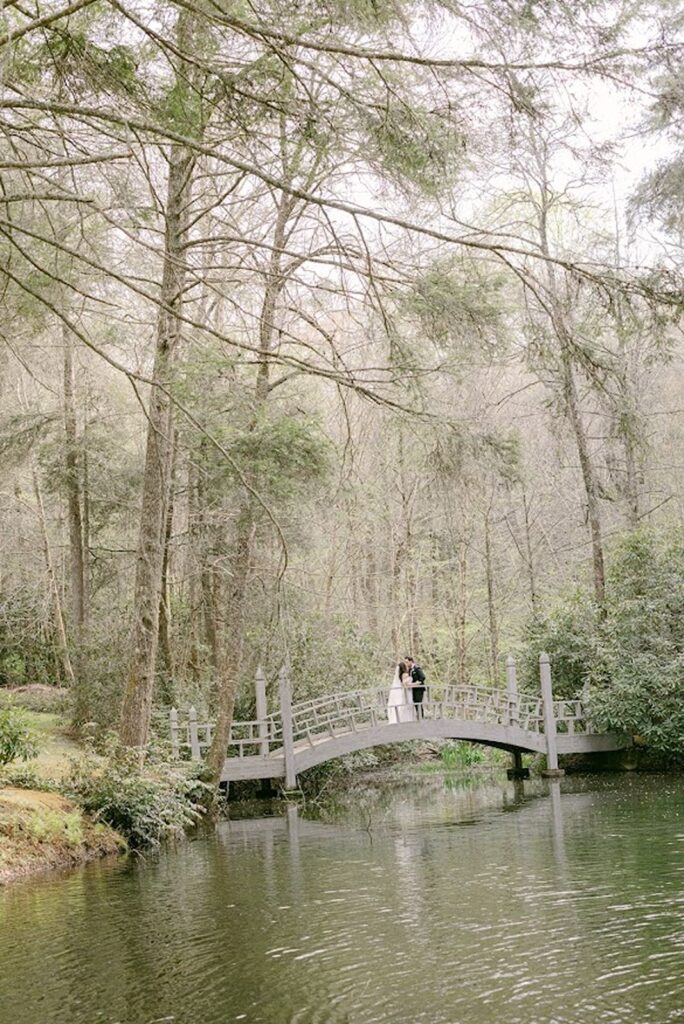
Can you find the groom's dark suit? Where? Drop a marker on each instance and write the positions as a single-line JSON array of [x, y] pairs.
[[418, 688]]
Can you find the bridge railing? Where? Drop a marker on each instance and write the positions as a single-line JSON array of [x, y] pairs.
[[354, 710], [250, 738], [571, 717], [333, 715]]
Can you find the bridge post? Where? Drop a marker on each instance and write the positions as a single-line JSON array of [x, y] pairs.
[[511, 691], [516, 771], [195, 752], [261, 710], [552, 769], [288, 740]]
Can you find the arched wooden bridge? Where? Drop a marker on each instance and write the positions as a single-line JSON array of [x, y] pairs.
[[302, 735]]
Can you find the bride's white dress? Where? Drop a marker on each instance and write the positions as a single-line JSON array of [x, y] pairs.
[[399, 701]]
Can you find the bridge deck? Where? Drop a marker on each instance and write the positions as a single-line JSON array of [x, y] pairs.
[[315, 731]]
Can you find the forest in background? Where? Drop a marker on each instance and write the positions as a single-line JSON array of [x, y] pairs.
[[336, 330]]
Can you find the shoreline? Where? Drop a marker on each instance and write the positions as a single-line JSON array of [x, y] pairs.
[[41, 832]]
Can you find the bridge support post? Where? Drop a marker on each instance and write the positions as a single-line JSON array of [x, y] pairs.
[[195, 751], [261, 710], [516, 771], [552, 770], [511, 691], [288, 740]]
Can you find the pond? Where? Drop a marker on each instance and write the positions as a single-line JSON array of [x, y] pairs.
[[443, 900]]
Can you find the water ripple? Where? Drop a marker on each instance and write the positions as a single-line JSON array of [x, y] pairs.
[[542, 911]]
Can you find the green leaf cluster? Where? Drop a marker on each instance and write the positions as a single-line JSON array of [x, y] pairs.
[[284, 455], [87, 66], [16, 738], [183, 111], [416, 146], [458, 307], [145, 808], [632, 658]]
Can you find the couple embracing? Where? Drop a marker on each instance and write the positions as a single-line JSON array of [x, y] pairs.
[[405, 699]]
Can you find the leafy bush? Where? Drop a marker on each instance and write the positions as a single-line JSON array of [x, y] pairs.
[[52, 699], [642, 644], [27, 649], [144, 806], [16, 739], [569, 635], [25, 776], [633, 659]]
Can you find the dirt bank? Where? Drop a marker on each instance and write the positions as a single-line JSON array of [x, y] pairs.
[[40, 831]]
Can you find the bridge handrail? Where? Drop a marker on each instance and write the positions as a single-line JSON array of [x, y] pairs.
[[571, 716], [351, 710], [472, 692], [246, 737], [357, 708]]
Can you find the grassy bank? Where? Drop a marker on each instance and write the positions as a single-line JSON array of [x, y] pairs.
[[41, 830], [66, 805]]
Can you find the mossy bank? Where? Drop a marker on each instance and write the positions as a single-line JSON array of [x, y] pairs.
[[40, 831]]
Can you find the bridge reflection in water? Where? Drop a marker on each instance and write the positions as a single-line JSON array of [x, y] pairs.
[[299, 736]]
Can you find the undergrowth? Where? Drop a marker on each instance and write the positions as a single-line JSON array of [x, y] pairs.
[[144, 805]]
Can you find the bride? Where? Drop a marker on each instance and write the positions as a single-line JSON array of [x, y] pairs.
[[399, 701]]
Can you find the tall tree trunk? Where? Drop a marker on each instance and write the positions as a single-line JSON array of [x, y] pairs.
[[232, 632], [462, 610], [77, 546], [57, 609], [165, 650], [230, 669], [86, 528], [561, 328], [212, 599], [193, 569], [491, 601], [530, 557], [588, 474], [210, 551], [370, 584], [137, 702], [74, 496], [632, 485]]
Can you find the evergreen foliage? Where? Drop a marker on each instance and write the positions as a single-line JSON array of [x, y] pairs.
[[16, 738], [632, 659], [145, 807]]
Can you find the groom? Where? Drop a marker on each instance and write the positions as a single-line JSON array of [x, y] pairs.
[[418, 688]]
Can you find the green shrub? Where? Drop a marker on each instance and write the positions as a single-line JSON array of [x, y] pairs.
[[27, 649], [461, 755], [45, 825], [145, 806], [569, 635], [25, 776], [642, 644], [50, 699], [633, 659], [16, 739]]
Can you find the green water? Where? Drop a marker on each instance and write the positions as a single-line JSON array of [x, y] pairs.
[[439, 902]]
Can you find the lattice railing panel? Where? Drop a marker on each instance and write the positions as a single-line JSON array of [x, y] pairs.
[[334, 715]]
